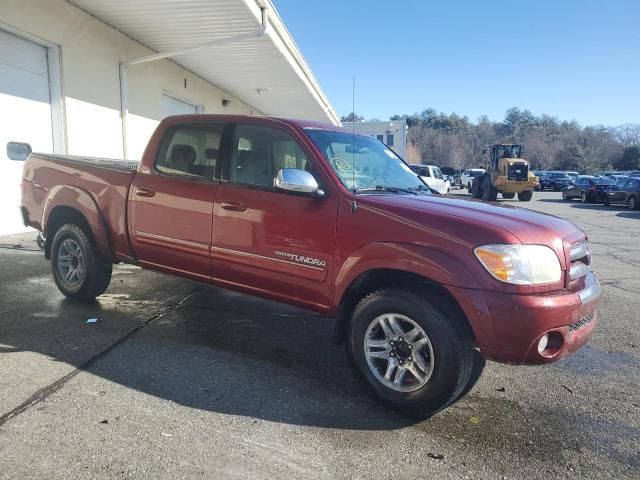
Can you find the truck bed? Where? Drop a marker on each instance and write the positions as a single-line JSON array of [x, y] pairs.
[[105, 180], [110, 163]]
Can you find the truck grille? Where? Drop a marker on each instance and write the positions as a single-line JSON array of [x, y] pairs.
[[581, 323], [518, 172], [580, 255]]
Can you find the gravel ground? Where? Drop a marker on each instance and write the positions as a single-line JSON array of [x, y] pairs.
[[181, 380]]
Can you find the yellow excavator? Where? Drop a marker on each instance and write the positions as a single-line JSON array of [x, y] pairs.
[[507, 173]]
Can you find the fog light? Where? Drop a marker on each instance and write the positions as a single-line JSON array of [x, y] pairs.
[[542, 343]]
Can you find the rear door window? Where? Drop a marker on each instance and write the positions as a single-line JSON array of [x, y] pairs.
[[190, 150]]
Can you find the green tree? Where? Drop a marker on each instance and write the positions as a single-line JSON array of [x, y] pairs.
[[629, 160], [352, 117]]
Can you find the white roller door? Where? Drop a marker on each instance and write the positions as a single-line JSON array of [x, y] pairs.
[[25, 116], [174, 106]]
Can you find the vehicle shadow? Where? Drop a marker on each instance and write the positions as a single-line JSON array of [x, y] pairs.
[[587, 206], [629, 214], [217, 350]]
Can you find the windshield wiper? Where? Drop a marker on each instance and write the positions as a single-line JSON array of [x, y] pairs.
[[386, 188]]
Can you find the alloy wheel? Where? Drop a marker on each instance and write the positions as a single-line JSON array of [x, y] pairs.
[[398, 352], [71, 263]]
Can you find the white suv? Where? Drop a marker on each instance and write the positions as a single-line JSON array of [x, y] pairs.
[[432, 176], [468, 175]]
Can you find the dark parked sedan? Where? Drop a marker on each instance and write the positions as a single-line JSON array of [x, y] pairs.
[[555, 181], [625, 192], [588, 189]]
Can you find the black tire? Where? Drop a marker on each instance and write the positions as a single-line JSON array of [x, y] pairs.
[[476, 189], [40, 241], [583, 197], [633, 202], [94, 271], [508, 195], [564, 195], [489, 192], [605, 200], [469, 188], [525, 196], [449, 338]]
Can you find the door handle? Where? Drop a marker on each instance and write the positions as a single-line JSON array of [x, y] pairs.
[[234, 206], [145, 192]]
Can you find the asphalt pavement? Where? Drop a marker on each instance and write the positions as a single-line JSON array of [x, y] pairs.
[[177, 379]]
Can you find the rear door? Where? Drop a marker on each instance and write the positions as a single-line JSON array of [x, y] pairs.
[[631, 187], [267, 241], [438, 180], [170, 207]]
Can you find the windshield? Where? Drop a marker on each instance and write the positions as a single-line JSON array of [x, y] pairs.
[[509, 151], [605, 181], [363, 162]]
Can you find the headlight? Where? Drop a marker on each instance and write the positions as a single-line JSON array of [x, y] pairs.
[[520, 264]]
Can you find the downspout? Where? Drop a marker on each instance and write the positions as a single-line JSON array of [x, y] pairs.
[[124, 84]]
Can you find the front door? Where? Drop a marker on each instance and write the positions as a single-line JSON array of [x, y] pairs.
[[170, 207], [268, 241]]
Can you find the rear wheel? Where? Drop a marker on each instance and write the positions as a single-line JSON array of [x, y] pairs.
[[407, 353], [78, 269], [583, 197], [564, 195], [525, 196], [605, 200], [508, 195], [633, 204]]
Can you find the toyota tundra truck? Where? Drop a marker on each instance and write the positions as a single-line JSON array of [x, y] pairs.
[[315, 216]]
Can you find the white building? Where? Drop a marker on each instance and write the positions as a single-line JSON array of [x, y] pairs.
[[392, 133], [94, 77]]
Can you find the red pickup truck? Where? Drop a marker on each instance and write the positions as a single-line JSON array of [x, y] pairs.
[[312, 215]]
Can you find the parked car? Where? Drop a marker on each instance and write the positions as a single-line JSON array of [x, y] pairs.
[[588, 188], [555, 181], [334, 223], [468, 175], [453, 176], [625, 192], [433, 177]]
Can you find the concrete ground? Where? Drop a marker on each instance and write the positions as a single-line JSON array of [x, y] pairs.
[[181, 380]]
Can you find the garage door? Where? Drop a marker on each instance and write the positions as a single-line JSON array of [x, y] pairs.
[[25, 116], [174, 106]]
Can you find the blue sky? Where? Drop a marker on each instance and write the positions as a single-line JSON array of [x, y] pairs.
[[574, 59]]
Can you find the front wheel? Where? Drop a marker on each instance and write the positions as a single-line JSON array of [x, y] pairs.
[[78, 269], [525, 196], [632, 203], [407, 353], [583, 197]]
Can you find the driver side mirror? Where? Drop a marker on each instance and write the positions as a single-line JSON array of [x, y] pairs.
[[18, 151], [298, 181]]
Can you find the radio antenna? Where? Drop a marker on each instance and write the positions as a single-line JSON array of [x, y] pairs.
[[354, 205]]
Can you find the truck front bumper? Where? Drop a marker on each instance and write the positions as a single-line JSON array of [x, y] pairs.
[[532, 329]]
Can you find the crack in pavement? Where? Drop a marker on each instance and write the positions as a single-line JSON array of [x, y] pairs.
[[45, 392]]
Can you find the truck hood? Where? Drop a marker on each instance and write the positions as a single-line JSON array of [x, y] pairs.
[[526, 225]]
